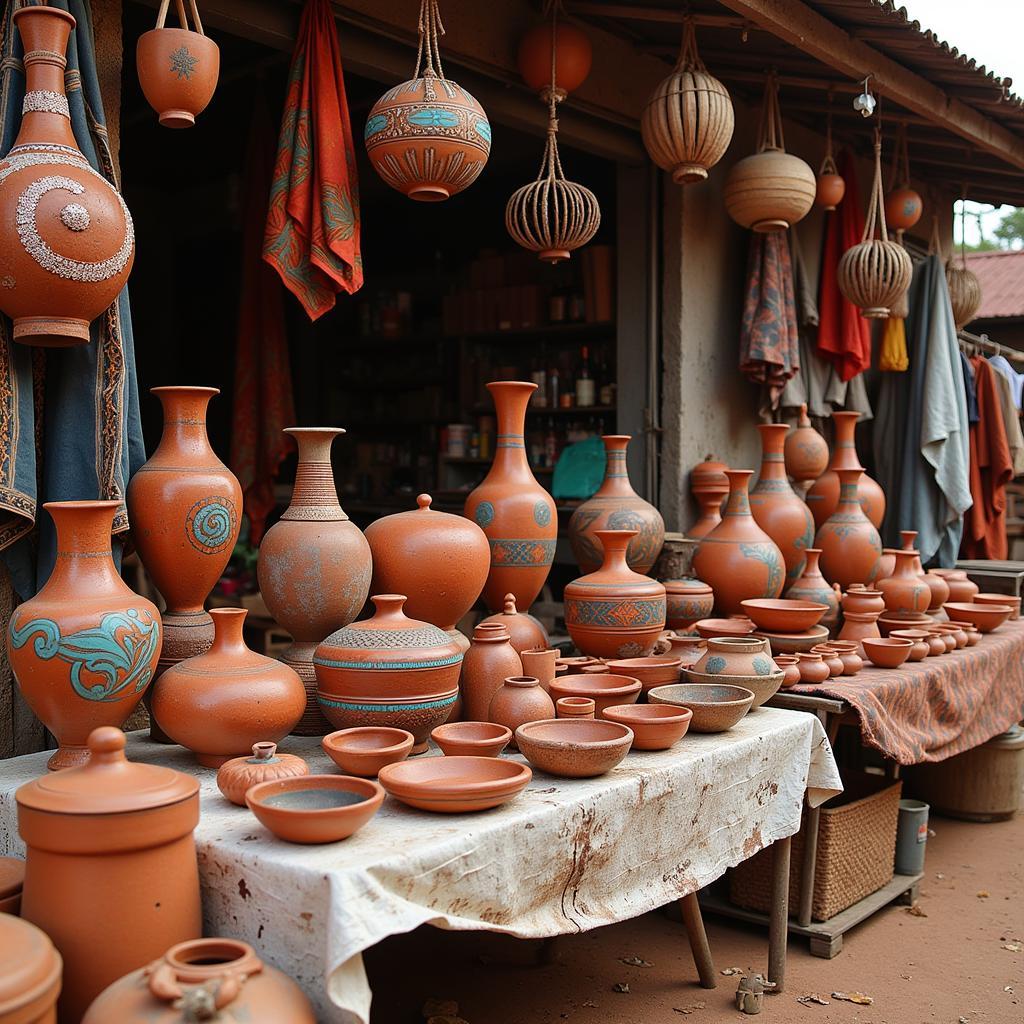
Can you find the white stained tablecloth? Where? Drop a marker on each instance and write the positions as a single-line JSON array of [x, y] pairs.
[[565, 856]]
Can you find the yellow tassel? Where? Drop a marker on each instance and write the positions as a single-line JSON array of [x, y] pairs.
[[893, 355]]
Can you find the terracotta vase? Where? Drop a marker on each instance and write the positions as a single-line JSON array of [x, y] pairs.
[[518, 700], [31, 976], [849, 543], [66, 236], [540, 662], [220, 703], [205, 979], [938, 588], [805, 450], [709, 485], [515, 512], [389, 670], [737, 559], [616, 506], [614, 612], [906, 595], [860, 599], [812, 667], [85, 648], [823, 496], [264, 765], [525, 631], [110, 873], [314, 565], [687, 602], [490, 660], [961, 589], [776, 507], [812, 586]]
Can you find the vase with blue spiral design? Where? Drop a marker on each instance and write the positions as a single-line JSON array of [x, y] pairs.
[[850, 546]]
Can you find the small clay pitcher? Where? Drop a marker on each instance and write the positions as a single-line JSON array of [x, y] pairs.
[[539, 662], [574, 707], [525, 632], [812, 667], [490, 660], [520, 699]]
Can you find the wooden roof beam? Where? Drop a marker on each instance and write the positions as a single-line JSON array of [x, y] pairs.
[[661, 15]]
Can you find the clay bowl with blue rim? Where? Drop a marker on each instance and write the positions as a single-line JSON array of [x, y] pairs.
[[985, 617], [655, 726], [603, 688], [575, 748], [315, 808], [715, 706], [365, 749], [784, 615]]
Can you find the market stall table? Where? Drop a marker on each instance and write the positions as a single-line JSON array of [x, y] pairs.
[[564, 857]]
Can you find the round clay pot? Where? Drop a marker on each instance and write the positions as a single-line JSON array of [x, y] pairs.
[[858, 625], [812, 667], [686, 602], [655, 726], [735, 656], [936, 642], [366, 749], [805, 450], [315, 808], [541, 663], [958, 633], [490, 660], [471, 739], [236, 776], [516, 513], [903, 209], [972, 631], [710, 486], [573, 57], [887, 652], [769, 191], [905, 593], [823, 496], [831, 658], [525, 632], [947, 639], [961, 589], [812, 586], [520, 699], [603, 689], [829, 192], [849, 654], [790, 667], [85, 648], [30, 980], [919, 640], [861, 600], [686, 648], [850, 545], [576, 707]]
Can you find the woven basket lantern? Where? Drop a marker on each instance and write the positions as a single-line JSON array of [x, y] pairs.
[[688, 120], [964, 286]]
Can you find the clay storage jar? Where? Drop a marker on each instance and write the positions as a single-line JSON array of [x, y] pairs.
[[937, 586], [850, 545], [85, 648], [314, 565], [616, 506], [859, 625], [737, 559], [906, 595], [525, 631], [823, 495], [812, 586], [961, 589], [389, 670], [812, 667], [515, 512], [30, 978], [687, 602], [177, 987], [490, 660], [518, 700], [709, 485], [615, 612], [860, 599], [222, 702], [110, 873], [805, 450], [265, 764]]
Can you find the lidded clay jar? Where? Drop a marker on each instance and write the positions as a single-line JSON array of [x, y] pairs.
[[520, 699], [30, 979], [525, 631], [110, 873], [236, 776], [687, 601]]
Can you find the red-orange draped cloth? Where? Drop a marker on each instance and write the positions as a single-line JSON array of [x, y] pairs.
[[844, 336], [312, 232]]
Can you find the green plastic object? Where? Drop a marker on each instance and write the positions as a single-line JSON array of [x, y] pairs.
[[579, 470]]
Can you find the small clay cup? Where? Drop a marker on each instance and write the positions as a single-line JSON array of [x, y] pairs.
[[575, 707], [315, 808], [887, 652], [473, 739], [918, 637], [541, 663], [655, 726], [364, 750]]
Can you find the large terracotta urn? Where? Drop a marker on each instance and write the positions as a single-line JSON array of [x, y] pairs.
[[823, 495], [85, 648], [776, 507], [709, 485], [805, 450], [906, 595], [812, 586], [66, 237], [515, 512], [737, 559], [490, 660], [616, 506], [314, 565], [615, 612], [849, 543]]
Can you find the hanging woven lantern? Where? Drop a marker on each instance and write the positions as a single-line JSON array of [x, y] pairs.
[[903, 206], [874, 273], [688, 120], [428, 137], [831, 187], [964, 286]]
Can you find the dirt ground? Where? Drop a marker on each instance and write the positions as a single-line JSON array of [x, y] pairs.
[[949, 965]]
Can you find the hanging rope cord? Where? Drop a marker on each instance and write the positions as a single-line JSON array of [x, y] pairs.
[[876, 204], [828, 165], [551, 164], [431, 29], [770, 135]]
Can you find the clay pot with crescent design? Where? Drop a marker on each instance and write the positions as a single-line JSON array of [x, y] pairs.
[[823, 495], [850, 545]]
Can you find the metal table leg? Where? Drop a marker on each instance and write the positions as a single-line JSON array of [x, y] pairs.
[[778, 922], [698, 940]]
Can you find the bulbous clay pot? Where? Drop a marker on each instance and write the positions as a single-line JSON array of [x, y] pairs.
[[860, 599], [903, 209], [314, 565], [906, 595], [66, 237], [573, 52], [205, 979], [490, 660], [847, 651], [220, 703], [687, 649], [830, 191], [812, 586], [938, 589], [515, 512], [918, 637], [615, 612], [540, 662], [709, 485], [850, 545], [525, 631], [616, 506], [775, 506], [831, 658], [790, 667], [520, 699], [858, 625], [947, 638], [264, 765], [30, 981], [736, 656], [812, 667], [805, 450], [823, 496], [85, 648], [961, 589], [687, 602], [737, 559]]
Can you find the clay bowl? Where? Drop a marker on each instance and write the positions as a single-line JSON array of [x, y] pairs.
[[603, 688], [455, 784], [714, 628], [656, 670], [1013, 602], [315, 808], [794, 643], [715, 706], [364, 750], [655, 726], [576, 748], [784, 615], [986, 617], [480, 739], [887, 652], [762, 687], [918, 639]]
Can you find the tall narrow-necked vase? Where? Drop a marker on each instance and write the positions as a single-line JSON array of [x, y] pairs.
[[515, 512], [937, 586], [906, 594], [85, 648], [850, 545], [812, 586], [314, 565], [823, 496]]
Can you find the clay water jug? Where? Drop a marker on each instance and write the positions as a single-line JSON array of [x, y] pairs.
[[850, 545], [812, 586], [616, 506], [520, 699], [85, 648], [525, 631], [937, 586], [709, 485], [737, 559], [906, 594], [806, 451], [490, 660], [823, 496], [515, 512], [314, 565]]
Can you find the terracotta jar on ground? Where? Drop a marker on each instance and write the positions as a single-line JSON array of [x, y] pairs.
[[961, 589], [812, 667], [541, 663], [616, 506], [709, 486], [849, 543], [110, 872], [220, 703], [265, 764], [525, 631], [776, 507], [805, 450], [490, 660], [30, 979], [520, 699], [859, 625], [737, 559], [906, 595], [687, 601], [515, 512], [177, 987], [859, 598], [812, 586], [615, 612], [389, 670], [85, 648], [823, 496]]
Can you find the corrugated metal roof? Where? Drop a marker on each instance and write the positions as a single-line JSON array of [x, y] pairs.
[[1001, 275]]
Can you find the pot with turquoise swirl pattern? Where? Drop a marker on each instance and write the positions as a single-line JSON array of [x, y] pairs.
[[849, 543], [85, 648], [514, 511]]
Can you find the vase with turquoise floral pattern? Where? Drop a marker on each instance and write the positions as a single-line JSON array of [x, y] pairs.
[[849, 543]]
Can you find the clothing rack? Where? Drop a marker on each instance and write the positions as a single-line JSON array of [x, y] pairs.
[[982, 341]]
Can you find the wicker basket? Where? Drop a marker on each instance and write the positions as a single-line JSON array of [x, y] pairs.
[[856, 848]]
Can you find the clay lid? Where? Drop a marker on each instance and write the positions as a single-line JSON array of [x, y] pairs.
[[108, 784], [686, 585], [12, 876], [32, 967]]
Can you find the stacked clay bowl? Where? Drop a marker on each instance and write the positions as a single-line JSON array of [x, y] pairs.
[[739, 661], [887, 652], [657, 670], [784, 615], [367, 749], [1000, 599], [455, 784], [738, 625], [576, 748], [794, 643], [985, 617], [655, 726], [715, 708], [603, 688]]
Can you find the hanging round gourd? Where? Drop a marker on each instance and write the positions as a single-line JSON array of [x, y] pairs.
[[874, 273], [428, 137], [831, 186], [574, 56], [903, 206], [963, 283], [772, 189], [688, 120]]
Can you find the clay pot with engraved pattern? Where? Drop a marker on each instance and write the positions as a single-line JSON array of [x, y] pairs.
[[823, 495], [688, 601], [849, 543]]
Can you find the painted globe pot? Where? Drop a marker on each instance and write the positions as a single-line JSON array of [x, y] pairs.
[[178, 71], [687, 601], [849, 543]]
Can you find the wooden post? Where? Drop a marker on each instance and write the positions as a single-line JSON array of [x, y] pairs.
[[698, 940], [778, 922]]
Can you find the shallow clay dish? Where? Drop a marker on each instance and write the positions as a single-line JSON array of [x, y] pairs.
[[655, 726], [784, 615], [364, 750], [715, 706], [480, 739], [762, 687], [656, 670], [456, 784], [714, 628], [986, 617], [603, 688], [315, 808], [887, 652], [794, 643], [1013, 602], [576, 748]]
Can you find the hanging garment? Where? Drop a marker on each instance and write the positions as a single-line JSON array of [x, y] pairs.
[[892, 356], [970, 389], [1011, 421], [1016, 379], [312, 233]]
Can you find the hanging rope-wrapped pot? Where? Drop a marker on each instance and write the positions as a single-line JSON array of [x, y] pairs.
[[688, 120], [831, 187], [903, 206], [964, 286]]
